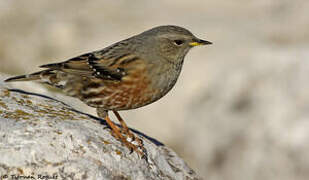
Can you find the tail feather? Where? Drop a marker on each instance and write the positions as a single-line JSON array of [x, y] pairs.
[[49, 76], [52, 66], [28, 77]]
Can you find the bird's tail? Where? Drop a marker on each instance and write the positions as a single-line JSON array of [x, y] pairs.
[[30, 77]]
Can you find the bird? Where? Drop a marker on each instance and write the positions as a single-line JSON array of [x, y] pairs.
[[126, 75]]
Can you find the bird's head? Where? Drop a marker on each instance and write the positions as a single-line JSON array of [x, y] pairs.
[[172, 42]]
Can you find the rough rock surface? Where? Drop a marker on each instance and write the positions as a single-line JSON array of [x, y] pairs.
[[42, 137]]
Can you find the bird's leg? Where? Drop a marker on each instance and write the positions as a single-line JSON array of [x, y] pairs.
[[116, 132], [129, 134], [124, 127]]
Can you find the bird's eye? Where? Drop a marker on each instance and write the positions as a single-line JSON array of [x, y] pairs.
[[178, 42]]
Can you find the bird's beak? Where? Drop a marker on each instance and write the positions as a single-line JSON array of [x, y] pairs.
[[198, 42]]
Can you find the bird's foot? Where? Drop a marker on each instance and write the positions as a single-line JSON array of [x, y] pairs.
[[133, 143], [131, 138], [124, 135], [136, 141]]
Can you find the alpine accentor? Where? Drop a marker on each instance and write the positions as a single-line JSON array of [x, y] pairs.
[[126, 75]]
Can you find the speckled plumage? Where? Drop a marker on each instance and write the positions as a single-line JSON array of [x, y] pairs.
[[126, 75]]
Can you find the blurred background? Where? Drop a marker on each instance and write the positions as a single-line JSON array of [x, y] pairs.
[[240, 109]]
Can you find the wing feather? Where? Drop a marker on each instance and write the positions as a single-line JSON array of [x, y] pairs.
[[106, 64]]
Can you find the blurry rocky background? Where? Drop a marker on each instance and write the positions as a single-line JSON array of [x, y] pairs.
[[240, 109]]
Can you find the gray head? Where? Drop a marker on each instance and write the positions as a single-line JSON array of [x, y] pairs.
[[171, 42]]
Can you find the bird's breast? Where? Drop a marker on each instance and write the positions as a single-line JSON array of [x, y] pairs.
[[141, 86], [133, 91], [165, 77]]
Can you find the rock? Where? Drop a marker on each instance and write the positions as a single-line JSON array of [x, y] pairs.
[[44, 138]]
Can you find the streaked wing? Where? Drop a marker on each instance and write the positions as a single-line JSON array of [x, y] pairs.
[[106, 64]]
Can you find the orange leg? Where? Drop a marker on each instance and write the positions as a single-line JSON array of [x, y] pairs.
[[127, 131], [124, 126], [117, 133]]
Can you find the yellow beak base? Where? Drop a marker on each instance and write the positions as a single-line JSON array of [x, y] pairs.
[[195, 44], [199, 42]]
